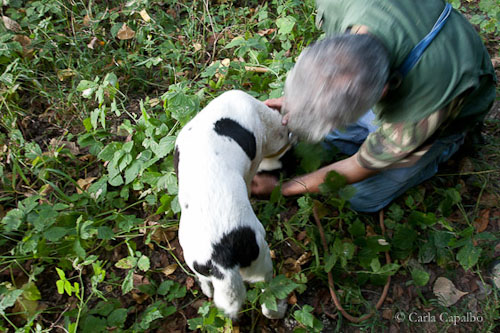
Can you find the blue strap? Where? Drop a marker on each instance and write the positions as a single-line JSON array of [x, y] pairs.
[[419, 49]]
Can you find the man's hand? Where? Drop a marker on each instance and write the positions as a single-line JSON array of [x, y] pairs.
[[263, 184], [275, 103]]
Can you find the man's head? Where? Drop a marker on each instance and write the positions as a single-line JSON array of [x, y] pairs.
[[334, 82]]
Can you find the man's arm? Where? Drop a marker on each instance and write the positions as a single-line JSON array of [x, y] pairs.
[[309, 183]]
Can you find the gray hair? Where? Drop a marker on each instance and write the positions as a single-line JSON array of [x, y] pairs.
[[334, 82]]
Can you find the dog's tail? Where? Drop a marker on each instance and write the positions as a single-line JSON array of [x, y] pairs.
[[229, 292]]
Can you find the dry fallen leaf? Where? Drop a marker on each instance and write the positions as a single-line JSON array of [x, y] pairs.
[[10, 24], [45, 190], [140, 298], [86, 20], [125, 32], [256, 69], [481, 223], [189, 283], [92, 43], [144, 15], [387, 314], [266, 32], [170, 269], [25, 41], [446, 292], [370, 232], [197, 46], [292, 299], [84, 184]]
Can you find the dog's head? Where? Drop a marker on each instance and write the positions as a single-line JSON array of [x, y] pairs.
[[278, 138]]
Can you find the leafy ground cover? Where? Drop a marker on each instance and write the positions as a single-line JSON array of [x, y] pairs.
[[92, 95]]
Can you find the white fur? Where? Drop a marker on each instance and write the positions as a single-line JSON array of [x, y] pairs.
[[214, 181]]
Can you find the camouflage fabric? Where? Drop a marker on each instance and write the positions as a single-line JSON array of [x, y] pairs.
[[397, 145]]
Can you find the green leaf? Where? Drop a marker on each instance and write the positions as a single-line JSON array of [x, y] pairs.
[[422, 219], [165, 287], [86, 230], [60, 286], [9, 299], [269, 300], [176, 291], [404, 237], [54, 234], [304, 316], [105, 233], [126, 263], [237, 41], [469, 255], [357, 229], [13, 219], [426, 252], [61, 273], [285, 25], [92, 324], [281, 286], [310, 155], [31, 292], [151, 314], [375, 265], [330, 262], [143, 263], [441, 239], [334, 181], [117, 318], [132, 171], [45, 217], [396, 213], [103, 308], [108, 152], [420, 277], [128, 282], [78, 248], [165, 146]]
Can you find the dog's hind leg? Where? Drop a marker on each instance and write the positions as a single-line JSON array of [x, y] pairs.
[[262, 270], [229, 292]]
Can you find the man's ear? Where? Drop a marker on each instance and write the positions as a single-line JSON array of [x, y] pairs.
[[284, 121], [385, 90]]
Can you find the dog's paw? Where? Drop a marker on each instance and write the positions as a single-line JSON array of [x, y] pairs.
[[278, 314]]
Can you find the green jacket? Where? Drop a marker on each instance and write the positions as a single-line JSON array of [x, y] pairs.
[[455, 62]]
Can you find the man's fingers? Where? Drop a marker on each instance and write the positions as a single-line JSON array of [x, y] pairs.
[[274, 103]]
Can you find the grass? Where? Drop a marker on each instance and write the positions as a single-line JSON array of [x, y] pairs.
[[92, 95]]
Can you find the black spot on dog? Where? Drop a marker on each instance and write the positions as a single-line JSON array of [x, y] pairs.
[[186, 206], [208, 270], [239, 247], [176, 161], [242, 136]]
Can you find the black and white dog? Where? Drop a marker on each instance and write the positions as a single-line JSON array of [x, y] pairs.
[[216, 156]]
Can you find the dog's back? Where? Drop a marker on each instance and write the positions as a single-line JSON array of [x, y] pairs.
[[217, 154]]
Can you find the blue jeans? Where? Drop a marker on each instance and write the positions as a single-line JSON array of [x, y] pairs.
[[376, 192]]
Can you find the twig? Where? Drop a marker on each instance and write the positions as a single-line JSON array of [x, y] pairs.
[[330, 277]]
